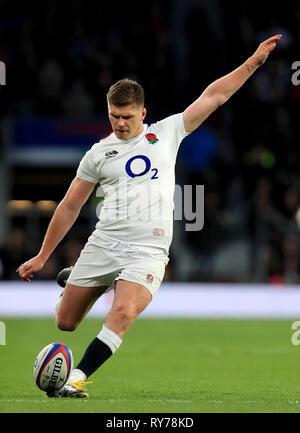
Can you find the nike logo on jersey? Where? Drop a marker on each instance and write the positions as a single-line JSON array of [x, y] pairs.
[[111, 154]]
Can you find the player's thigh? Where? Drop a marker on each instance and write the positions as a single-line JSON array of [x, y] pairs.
[[75, 304], [130, 299]]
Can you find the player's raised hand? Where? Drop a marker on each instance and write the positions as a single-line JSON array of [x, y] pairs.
[[264, 49], [27, 269]]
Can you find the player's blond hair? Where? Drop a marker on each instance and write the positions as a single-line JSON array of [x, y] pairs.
[[126, 92]]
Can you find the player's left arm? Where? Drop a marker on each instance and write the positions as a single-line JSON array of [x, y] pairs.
[[217, 93]]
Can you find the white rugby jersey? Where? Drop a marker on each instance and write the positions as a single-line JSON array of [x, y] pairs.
[[137, 181]]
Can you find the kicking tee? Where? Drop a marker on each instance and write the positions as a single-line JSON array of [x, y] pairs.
[[137, 182]]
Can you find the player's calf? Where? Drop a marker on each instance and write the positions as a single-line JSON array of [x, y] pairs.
[[120, 317], [129, 301]]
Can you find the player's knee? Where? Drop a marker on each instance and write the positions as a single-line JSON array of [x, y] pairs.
[[65, 325], [125, 313]]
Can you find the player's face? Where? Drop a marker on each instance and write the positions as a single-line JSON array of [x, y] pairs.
[[126, 122]]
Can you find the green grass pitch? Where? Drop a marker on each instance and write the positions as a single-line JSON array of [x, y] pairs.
[[177, 366]]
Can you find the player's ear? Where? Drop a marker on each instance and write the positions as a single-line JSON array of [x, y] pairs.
[[144, 112]]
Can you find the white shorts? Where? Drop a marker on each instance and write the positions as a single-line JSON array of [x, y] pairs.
[[102, 266]]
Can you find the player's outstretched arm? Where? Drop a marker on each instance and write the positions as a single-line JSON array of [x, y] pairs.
[[63, 218], [222, 89]]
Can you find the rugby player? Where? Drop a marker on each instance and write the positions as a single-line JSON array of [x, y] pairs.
[[128, 250]]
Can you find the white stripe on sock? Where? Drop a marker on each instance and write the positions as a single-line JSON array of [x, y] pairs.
[[110, 338]]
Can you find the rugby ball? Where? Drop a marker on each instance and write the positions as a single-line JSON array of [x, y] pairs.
[[52, 366]]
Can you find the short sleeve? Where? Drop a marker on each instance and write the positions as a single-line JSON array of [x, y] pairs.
[[87, 168], [174, 125], [179, 130]]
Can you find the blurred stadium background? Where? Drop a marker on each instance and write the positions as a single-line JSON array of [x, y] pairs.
[[61, 58]]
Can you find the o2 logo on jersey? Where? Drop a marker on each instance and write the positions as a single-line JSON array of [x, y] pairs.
[[131, 173]]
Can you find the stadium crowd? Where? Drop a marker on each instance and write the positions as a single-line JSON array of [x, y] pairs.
[[61, 57]]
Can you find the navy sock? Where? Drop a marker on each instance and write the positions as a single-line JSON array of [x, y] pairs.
[[95, 355]]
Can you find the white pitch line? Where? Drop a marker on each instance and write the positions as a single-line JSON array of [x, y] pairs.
[[102, 400]]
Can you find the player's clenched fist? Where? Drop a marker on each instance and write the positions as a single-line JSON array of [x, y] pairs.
[[27, 269]]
